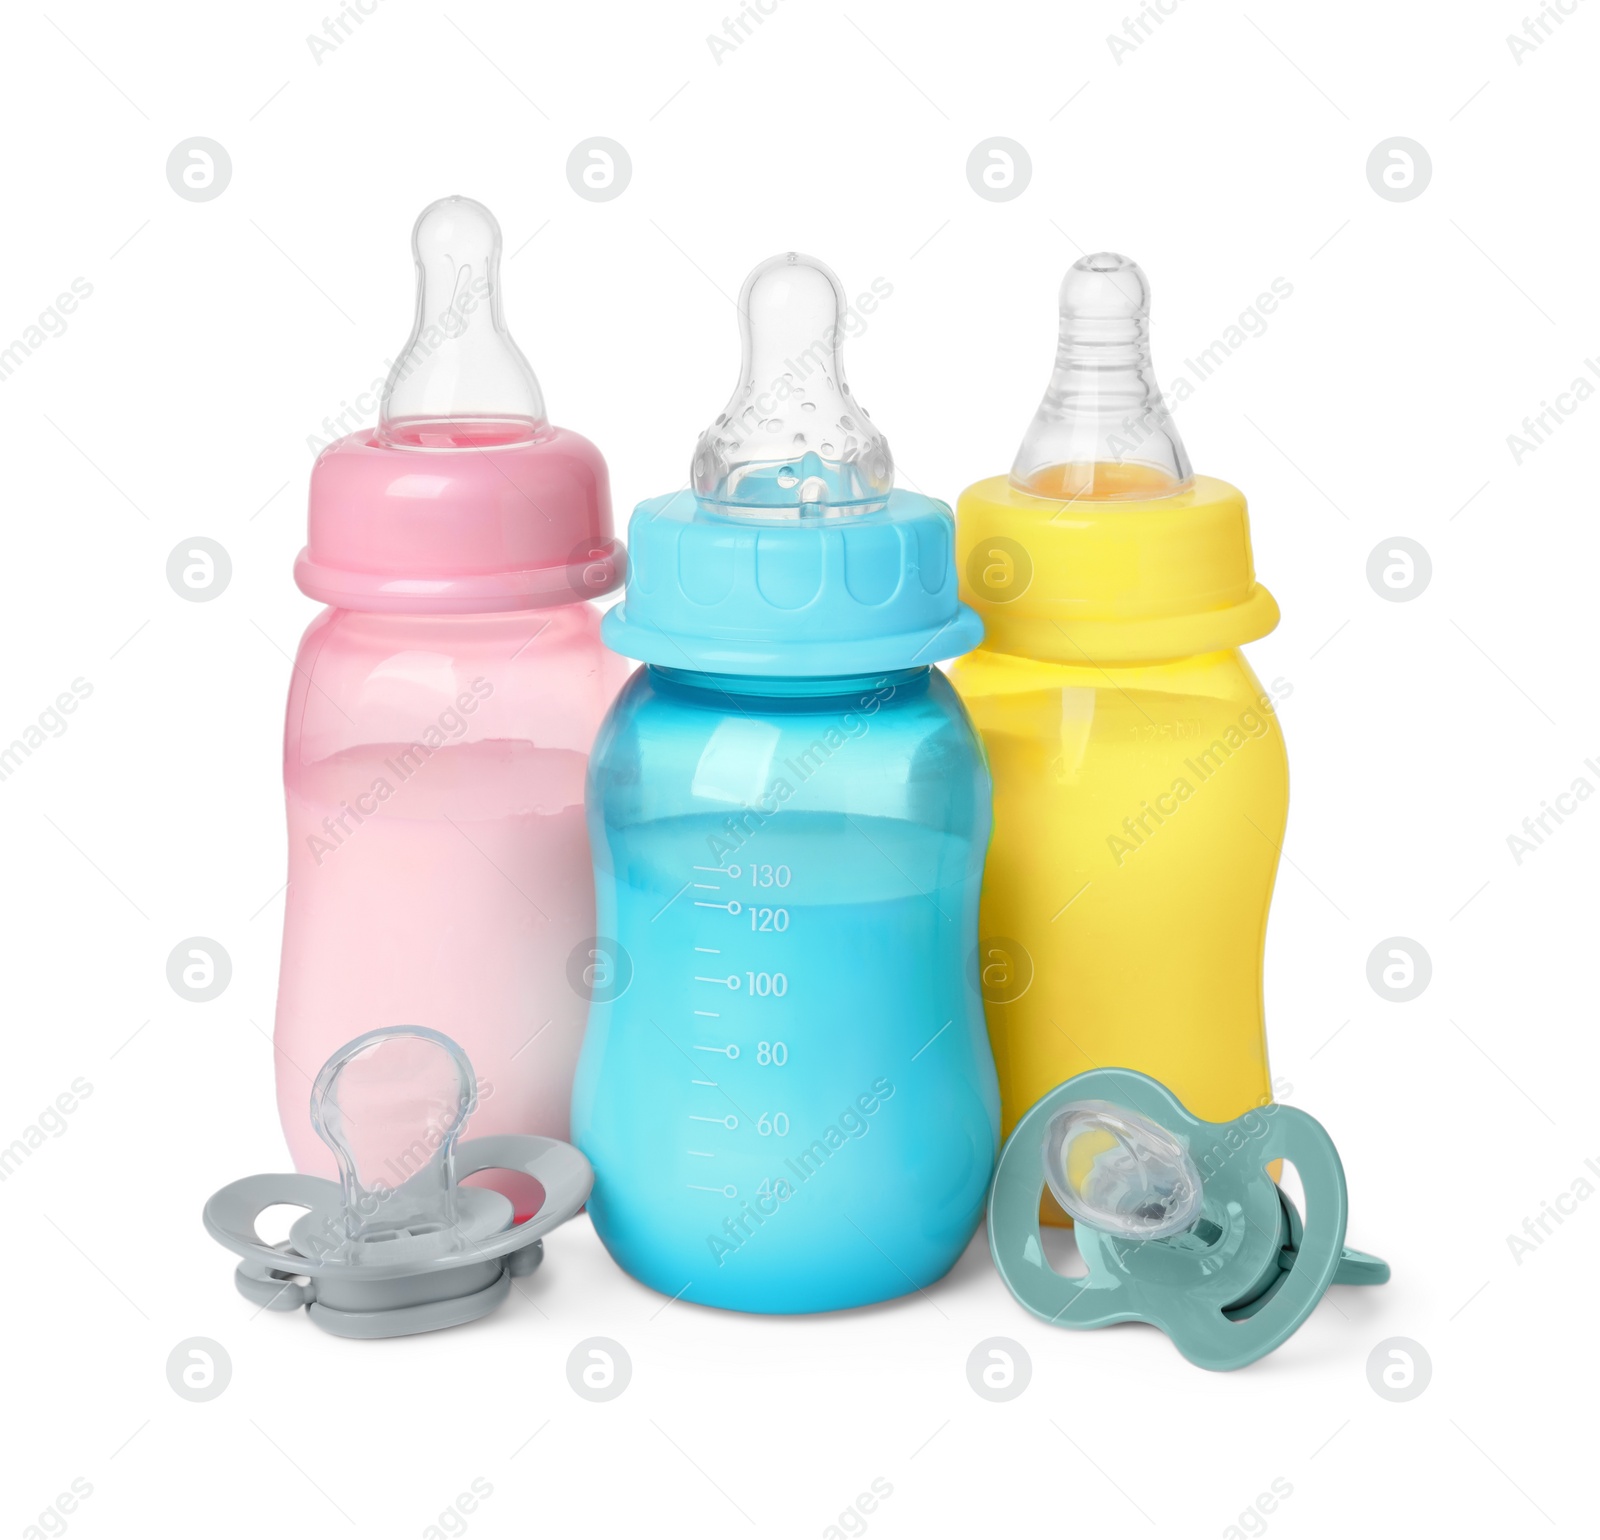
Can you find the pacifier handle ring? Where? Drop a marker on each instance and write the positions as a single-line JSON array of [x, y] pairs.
[[262, 1286], [1300, 1139]]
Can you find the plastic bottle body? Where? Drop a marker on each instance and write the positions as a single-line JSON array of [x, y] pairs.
[[439, 870], [1139, 813], [786, 1089]]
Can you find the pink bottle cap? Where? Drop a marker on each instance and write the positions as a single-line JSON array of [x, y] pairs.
[[465, 498]]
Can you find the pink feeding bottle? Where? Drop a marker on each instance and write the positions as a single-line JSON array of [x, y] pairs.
[[441, 714]]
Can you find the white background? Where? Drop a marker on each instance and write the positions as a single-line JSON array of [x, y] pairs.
[[1226, 150]]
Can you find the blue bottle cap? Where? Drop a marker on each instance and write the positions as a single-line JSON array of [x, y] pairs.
[[791, 553]]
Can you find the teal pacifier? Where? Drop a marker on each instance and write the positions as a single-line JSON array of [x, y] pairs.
[[1179, 1221]]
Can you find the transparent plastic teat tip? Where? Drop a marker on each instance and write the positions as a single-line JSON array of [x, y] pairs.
[[461, 382], [391, 1105], [792, 443], [1103, 430], [1120, 1173]]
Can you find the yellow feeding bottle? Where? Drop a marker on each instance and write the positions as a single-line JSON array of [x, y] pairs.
[[1140, 780]]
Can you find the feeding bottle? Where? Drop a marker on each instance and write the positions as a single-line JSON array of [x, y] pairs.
[[441, 713], [1141, 785], [786, 1089]]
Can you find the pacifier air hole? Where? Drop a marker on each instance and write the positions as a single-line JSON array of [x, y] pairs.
[[274, 1223], [1292, 1187], [1062, 1252], [526, 1195]]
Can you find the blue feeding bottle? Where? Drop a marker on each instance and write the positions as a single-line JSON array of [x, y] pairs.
[[786, 1088]]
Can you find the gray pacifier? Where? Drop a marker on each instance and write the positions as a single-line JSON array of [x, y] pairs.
[[396, 1246]]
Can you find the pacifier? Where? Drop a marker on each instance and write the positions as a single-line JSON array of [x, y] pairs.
[[397, 1245], [1179, 1220]]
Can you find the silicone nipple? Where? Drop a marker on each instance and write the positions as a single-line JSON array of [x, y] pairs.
[[1120, 1173], [792, 443], [1103, 429], [461, 382], [390, 1105]]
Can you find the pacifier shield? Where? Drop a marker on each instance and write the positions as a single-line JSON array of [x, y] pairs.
[[1178, 1220], [398, 1245]]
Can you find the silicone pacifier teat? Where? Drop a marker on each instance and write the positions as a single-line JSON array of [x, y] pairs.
[[792, 442], [390, 1106], [397, 1245], [461, 382], [1103, 429], [1178, 1220], [1120, 1173]]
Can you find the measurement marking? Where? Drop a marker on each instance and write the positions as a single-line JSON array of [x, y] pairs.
[[703, 1154], [716, 951], [710, 887], [721, 869], [717, 1014], [729, 1122], [703, 1082], [731, 1050], [730, 982], [727, 1192], [732, 907]]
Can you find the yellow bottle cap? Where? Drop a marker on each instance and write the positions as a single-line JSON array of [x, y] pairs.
[[1124, 581]]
